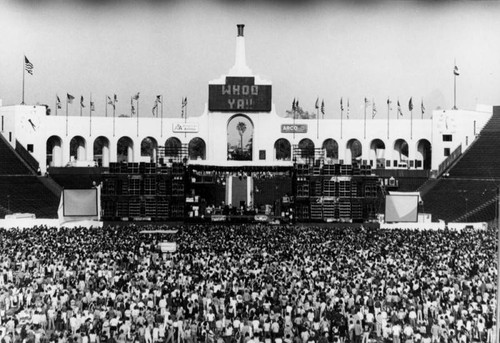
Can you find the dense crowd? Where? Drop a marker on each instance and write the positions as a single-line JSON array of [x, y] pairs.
[[247, 284]]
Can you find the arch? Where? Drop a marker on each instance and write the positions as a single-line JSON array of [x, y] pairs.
[[125, 150], [331, 148], [149, 147], [101, 151], [77, 149], [306, 148], [197, 149], [240, 138], [173, 148], [53, 151], [282, 150], [401, 153], [377, 153], [354, 151], [424, 155]]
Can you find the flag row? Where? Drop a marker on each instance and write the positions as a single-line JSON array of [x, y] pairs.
[[367, 104], [112, 100]]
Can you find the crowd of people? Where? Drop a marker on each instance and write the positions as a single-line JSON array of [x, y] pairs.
[[247, 284]]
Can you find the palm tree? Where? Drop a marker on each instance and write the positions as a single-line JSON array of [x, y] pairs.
[[241, 127]]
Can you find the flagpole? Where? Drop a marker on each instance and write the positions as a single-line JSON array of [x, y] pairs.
[[411, 123], [137, 103], [24, 71], [161, 134], [81, 108], [421, 108], [454, 91], [185, 115], [90, 116], [317, 123], [364, 132], [341, 116], [388, 112], [66, 114], [114, 119], [293, 111], [106, 102], [399, 112], [56, 105]]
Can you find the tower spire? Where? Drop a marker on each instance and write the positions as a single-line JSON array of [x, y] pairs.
[[240, 67]]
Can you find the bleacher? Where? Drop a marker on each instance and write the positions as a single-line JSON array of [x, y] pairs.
[[20, 189], [451, 199], [468, 190], [25, 194], [10, 164]]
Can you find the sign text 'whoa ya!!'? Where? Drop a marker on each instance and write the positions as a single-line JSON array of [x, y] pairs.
[[239, 94]]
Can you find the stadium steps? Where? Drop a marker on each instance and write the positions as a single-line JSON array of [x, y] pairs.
[[450, 199], [427, 186], [21, 191], [10, 161], [26, 194], [475, 176], [481, 160], [485, 207], [51, 184]]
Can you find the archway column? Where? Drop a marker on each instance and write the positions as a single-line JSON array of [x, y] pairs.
[[80, 152], [105, 155], [57, 155], [113, 153], [132, 154]]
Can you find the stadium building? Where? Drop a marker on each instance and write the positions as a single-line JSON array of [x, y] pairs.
[[239, 157]]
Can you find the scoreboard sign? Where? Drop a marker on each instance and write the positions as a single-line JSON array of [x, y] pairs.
[[239, 94]]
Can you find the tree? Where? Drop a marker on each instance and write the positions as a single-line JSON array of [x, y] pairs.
[[241, 127], [300, 114]]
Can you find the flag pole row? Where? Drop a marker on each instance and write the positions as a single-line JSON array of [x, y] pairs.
[[296, 109], [156, 110]]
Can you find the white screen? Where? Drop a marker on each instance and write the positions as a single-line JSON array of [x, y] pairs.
[[401, 208], [80, 202]]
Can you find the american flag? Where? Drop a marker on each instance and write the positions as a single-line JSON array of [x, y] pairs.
[[28, 65]]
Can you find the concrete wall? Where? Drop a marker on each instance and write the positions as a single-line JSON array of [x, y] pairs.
[[212, 128]]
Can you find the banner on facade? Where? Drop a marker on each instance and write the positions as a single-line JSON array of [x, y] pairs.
[[291, 128], [185, 127]]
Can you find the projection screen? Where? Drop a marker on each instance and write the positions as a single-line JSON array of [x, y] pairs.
[[401, 208], [80, 202]]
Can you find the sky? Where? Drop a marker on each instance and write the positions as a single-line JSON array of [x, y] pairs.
[[309, 49]]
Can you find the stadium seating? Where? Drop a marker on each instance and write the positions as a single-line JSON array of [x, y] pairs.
[[467, 192], [20, 190], [25, 194], [10, 164]]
